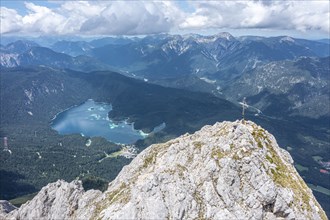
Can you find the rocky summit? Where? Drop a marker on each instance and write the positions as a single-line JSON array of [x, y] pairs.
[[231, 170]]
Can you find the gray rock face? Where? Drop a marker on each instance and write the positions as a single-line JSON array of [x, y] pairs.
[[231, 170], [6, 207], [59, 200]]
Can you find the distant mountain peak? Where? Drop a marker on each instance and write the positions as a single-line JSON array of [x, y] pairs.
[[225, 35], [211, 38], [287, 39], [20, 46], [231, 170]]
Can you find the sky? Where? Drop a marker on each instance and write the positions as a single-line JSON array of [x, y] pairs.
[[299, 18]]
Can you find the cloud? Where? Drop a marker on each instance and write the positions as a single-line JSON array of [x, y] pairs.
[[11, 21], [285, 15], [41, 19], [137, 18], [77, 13], [146, 17], [93, 18]]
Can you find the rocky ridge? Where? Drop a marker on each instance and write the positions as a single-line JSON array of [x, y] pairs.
[[231, 170]]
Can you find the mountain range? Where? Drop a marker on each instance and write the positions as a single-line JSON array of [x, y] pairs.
[[298, 87], [215, 64], [186, 81]]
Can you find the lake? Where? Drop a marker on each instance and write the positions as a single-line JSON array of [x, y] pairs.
[[91, 119]]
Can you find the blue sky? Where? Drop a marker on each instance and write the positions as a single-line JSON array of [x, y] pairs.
[[19, 6], [305, 19]]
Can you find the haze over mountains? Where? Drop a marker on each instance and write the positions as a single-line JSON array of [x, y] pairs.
[[185, 81], [216, 64]]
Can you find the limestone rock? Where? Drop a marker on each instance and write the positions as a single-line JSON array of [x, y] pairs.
[[58, 200], [231, 170], [5, 208]]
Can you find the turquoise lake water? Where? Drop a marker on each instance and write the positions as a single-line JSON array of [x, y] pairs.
[[91, 119]]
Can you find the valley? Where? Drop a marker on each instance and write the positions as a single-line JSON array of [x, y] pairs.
[[45, 154], [171, 84]]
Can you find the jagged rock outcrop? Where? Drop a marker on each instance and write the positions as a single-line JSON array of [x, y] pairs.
[[231, 170], [59, 200], [6, 207]]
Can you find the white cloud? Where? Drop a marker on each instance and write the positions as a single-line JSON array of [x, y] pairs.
[[93, 18], [145, 17], [196, 21], [41, 19], [11, 21], [77, 13], [313, 15], [131, 18], [296, 15]]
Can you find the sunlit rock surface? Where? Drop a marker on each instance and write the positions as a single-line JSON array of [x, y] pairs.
[[231, 170]]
